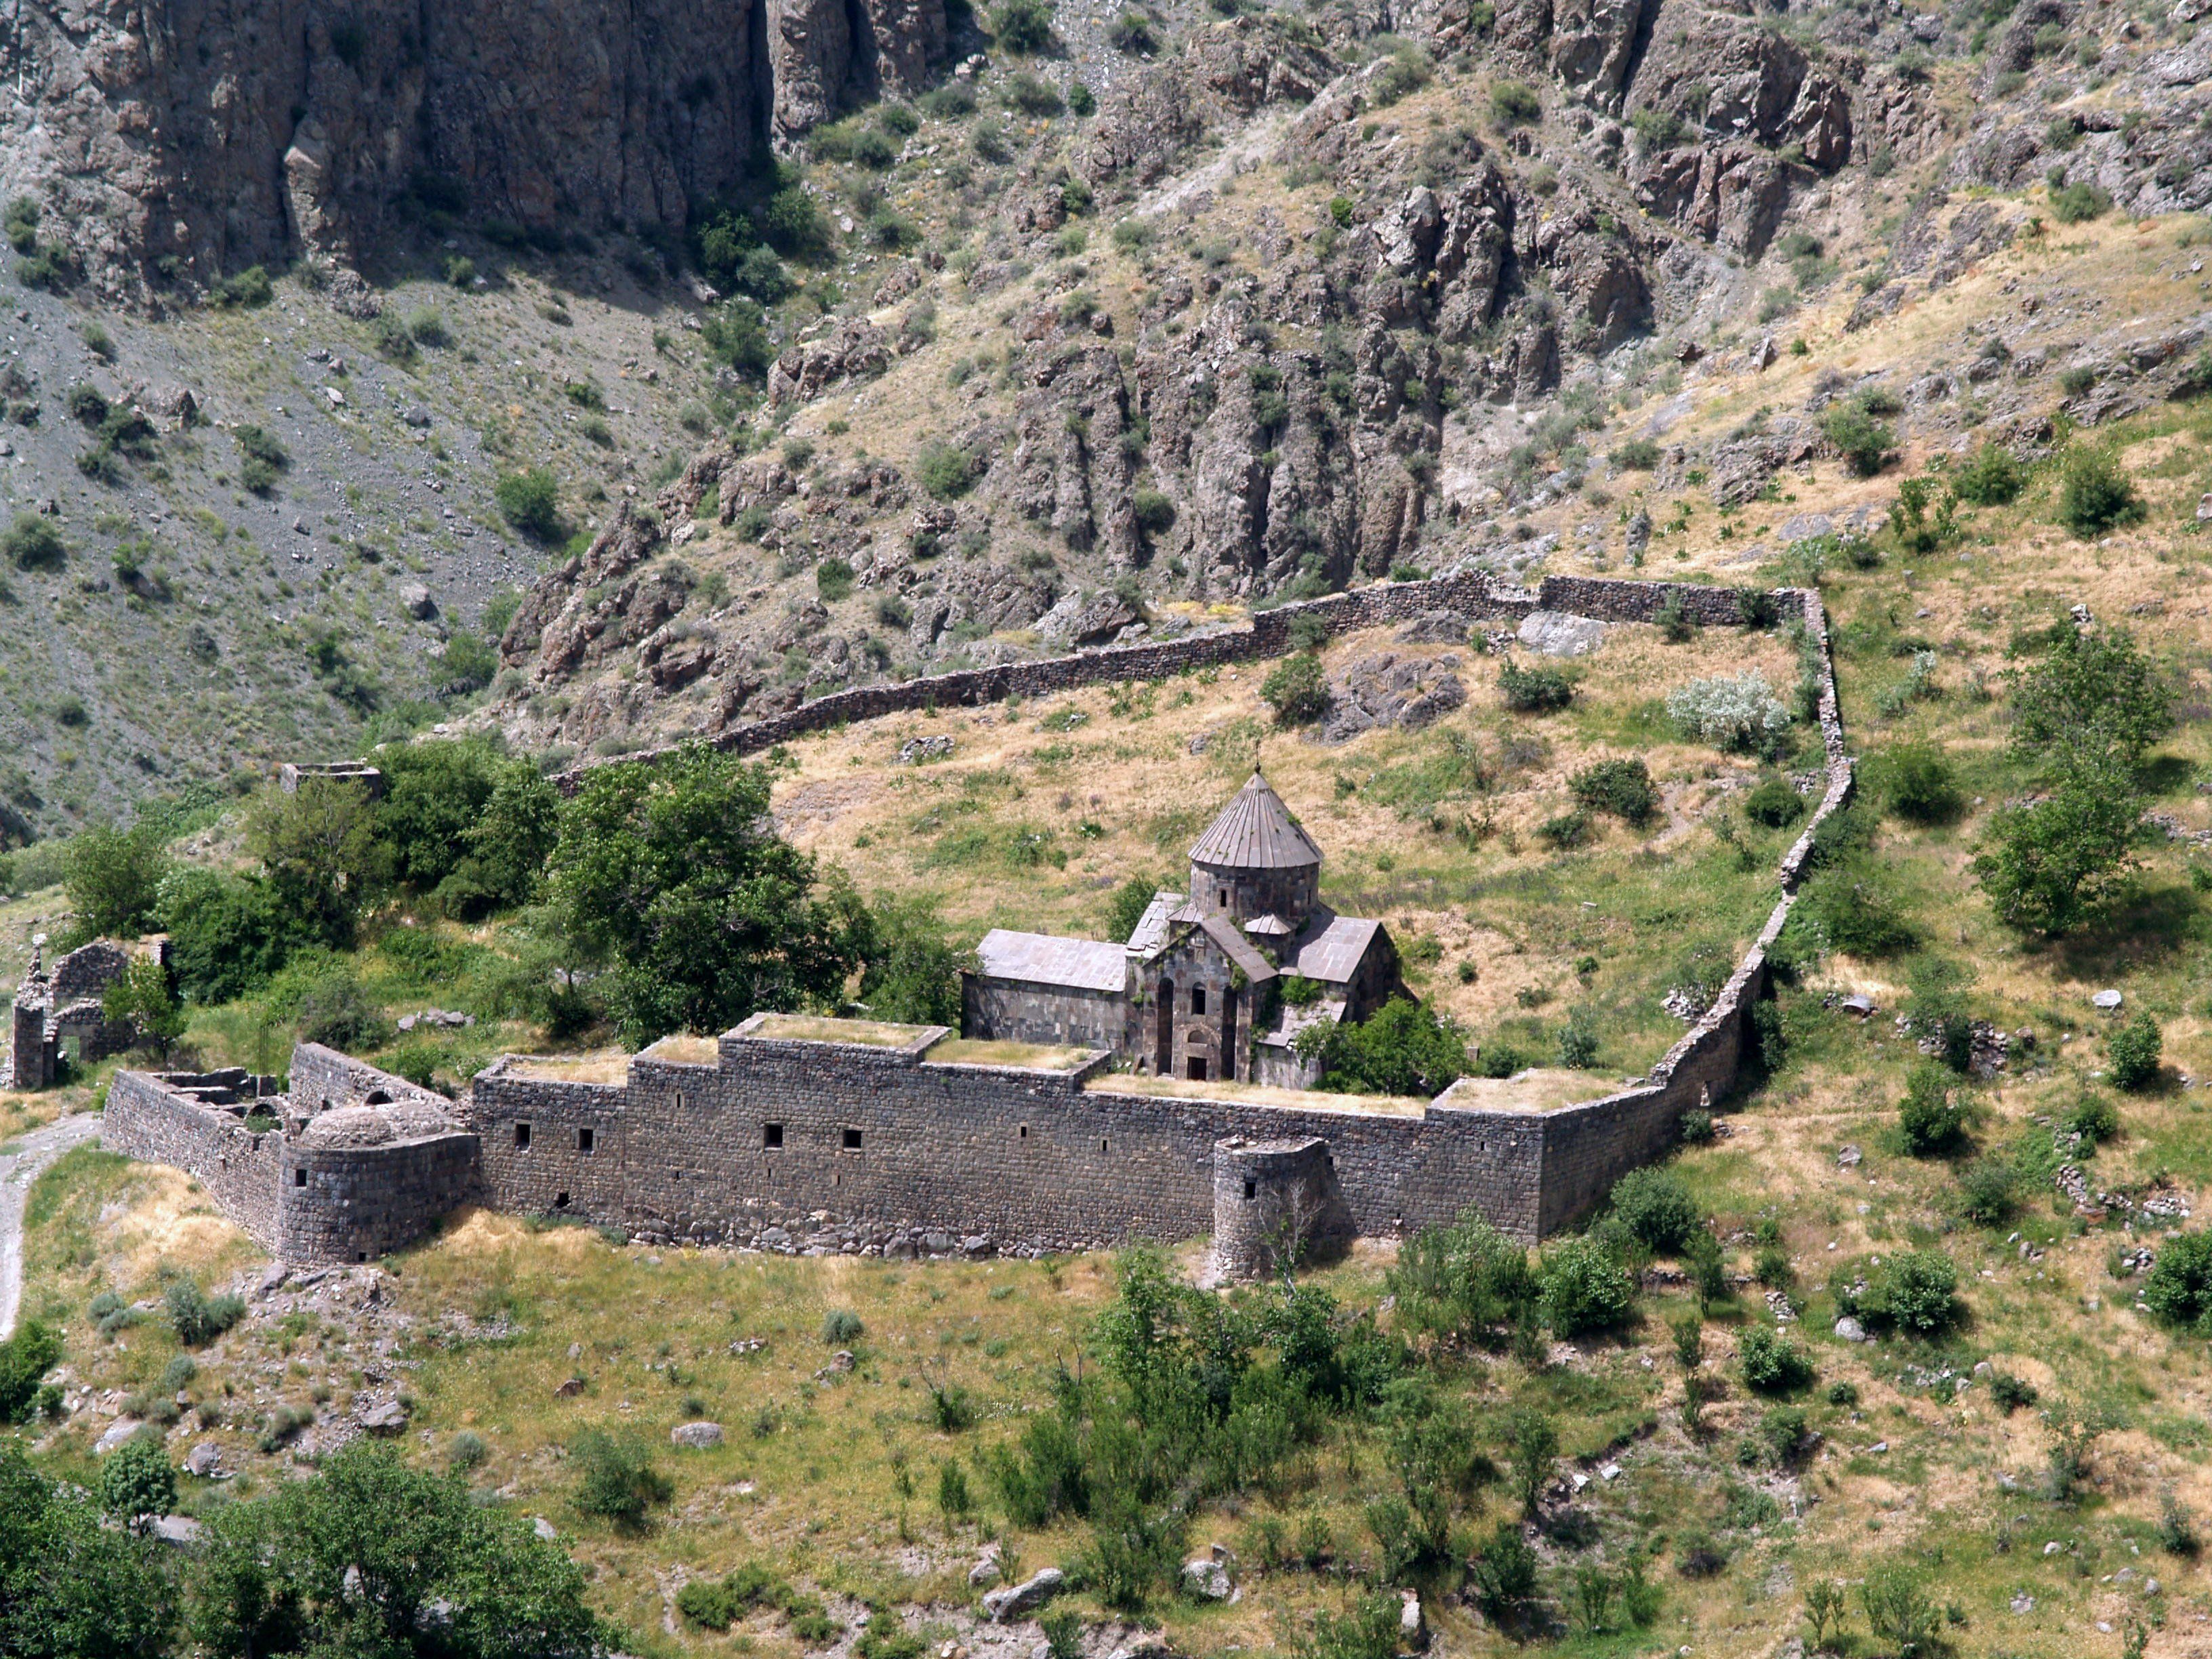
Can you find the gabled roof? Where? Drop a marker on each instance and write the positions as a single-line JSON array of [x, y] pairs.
[[1255, 831], [1332, 947], [1221, 928], [1152, 929], [1082, 965]]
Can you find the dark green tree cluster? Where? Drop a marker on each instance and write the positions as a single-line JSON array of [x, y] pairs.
[[1402, 1049], [370, 1557]]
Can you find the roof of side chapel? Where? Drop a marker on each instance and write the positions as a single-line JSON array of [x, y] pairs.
[[1255, 831]]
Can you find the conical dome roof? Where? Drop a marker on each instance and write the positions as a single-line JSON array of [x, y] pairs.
[[1255, 831]]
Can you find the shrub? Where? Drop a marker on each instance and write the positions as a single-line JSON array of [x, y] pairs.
[[832, 581], [1568, 829], [198, 1319], [2095, 494], [530, 500], [1989, 1191], [1774, 803], [248, 288], [616, 1481], [1403, 1048], [1929, 1121], [1771, 1363], [2132, 1053], [2074, 205], [1623, 787], [32, 543], [841, 1326], [1512, 104], [2094, 1120], [1504, 1575], [1899, 1611], [85, 404], [1741, 713], [25, 1360], [1654, 1206], [2178, 1289], [1033, 95], [1155, 512], [1856, 912], [1535, 690], [1915, 1292], [1297, 690], [2010, 1393], [1585, 1287], [1022, 26], [1917, 782], [1992, 478], [1864, 442], [947, 470]]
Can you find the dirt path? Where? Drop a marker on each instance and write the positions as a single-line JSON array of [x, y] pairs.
[[18, 1170]]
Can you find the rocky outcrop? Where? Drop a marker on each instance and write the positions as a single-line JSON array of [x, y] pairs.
[[1732, 194], [1385, 689], [178, 144], [1730, 80], [854, 349]]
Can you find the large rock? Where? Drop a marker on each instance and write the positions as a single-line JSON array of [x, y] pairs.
[[249, 131], [1384, 689], [854, 349], [1557, 633], [696, 1436], [1019, 1601]]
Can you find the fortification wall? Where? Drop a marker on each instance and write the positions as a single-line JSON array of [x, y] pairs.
[[353, 1203], [147, 1119], [324, 1077], [1031, 1158]]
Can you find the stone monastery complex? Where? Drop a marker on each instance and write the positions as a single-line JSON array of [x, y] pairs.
[[1098, 1091]]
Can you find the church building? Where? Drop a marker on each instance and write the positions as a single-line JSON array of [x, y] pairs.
[[1214, 984]]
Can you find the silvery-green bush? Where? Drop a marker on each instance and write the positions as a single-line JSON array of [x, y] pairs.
[[1741, 712]]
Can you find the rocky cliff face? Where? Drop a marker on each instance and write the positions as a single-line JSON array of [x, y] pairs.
[[176, 144]]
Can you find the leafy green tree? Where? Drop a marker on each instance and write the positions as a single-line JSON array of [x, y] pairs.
[[1402, 1049], [113, 879], [1127, 906], [319, 851], [435, 793], [668, 873], [616, 1479], [912, 975], [1532, 1448], [1586, 1287], [1864, 442], [1928, 1119], [511, 841], [2090, 699], [1654, 1206], [1466, 1279], [141, 995], [137, 1483], [70, 1588], [375, 1558], [228, 934], [2052, 865], [1992, 478]]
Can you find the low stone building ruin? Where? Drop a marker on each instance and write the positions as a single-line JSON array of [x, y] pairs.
[[1213, 984], [61, 1017]]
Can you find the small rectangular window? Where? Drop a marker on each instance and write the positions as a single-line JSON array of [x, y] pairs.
[[1251, 1191], [521, 1136], [771, 1134], [583, 1140], [1198, 999], [1025, 1131], [852, 1141], [298, 1177], [679, 1100]]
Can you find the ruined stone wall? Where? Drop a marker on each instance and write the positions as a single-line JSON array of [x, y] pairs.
[[324, 1077], [1016, 1012], [1275, 1196], [882, 1138], [354, 1203], [149, 1120]]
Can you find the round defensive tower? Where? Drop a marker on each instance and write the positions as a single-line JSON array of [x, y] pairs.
[[1272, 1199]]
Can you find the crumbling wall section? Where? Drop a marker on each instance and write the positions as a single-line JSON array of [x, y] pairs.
[[148, 1119]]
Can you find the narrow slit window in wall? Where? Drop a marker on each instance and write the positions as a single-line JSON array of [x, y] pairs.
[[298, 1177], [521, 1137], [583, 1140]]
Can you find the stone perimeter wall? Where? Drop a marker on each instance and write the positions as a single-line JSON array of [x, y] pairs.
[[1473, 593], [1028, 1160], [242, 1171]]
